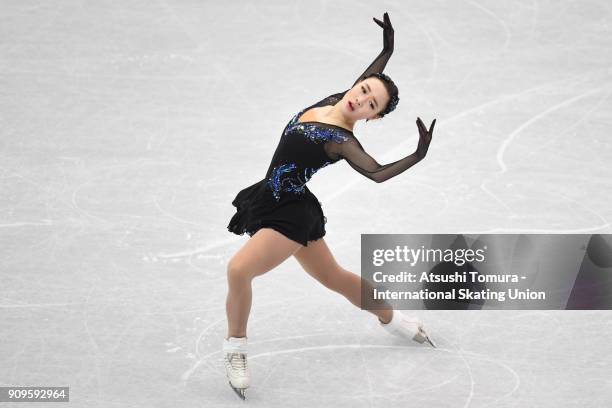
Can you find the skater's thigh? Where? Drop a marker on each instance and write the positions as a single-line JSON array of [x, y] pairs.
[[318, 261], [266, 249]]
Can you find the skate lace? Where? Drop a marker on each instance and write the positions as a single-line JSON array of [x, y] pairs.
[[238, 361]]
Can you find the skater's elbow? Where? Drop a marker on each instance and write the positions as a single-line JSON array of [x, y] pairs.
[[375, 178], [380, 177]]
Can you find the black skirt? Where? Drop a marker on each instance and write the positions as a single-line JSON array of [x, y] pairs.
[[298, 216]]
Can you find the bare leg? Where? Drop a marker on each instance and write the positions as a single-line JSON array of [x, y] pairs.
[[318, 261], [265, 250]]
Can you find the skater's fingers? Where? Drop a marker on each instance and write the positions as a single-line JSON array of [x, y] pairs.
[[421, 131], [431, 128], [387, 20], [377, 21], [421, 125]]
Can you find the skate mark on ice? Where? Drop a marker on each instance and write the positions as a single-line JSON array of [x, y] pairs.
[[495, 17]]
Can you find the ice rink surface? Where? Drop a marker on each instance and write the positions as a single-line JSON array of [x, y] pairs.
[[128, 127]]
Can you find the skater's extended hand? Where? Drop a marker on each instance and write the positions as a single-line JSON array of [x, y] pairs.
[[388, 31], [424, 138]]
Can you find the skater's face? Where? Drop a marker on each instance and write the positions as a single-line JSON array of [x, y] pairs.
[[367, 99]]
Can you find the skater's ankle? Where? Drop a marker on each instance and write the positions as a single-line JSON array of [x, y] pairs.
[[386, 321], [235, 337]]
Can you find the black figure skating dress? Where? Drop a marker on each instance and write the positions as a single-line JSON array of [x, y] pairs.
[[281, 200]]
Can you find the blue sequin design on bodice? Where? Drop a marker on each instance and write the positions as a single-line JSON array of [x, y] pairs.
[[313, 132], [294, 183], [289, 177]]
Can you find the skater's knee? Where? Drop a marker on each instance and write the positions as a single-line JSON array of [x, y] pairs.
[[237, 272]]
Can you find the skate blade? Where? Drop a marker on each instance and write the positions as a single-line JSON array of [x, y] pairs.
[[239, 391], [430, 341], [422, 337]]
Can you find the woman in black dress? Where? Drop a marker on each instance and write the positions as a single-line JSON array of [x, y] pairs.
[[284, 218]]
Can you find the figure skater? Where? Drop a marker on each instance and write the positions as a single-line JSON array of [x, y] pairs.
[[284, 218]]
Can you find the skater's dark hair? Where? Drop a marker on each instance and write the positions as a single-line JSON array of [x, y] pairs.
[[391, 90]]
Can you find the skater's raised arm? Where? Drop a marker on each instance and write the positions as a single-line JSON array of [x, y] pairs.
[[352, 151], [379, 63], [360, 160]]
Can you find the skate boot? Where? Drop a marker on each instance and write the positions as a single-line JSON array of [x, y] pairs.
[[236, 369], [407, 327]]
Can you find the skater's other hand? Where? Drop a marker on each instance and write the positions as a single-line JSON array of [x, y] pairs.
[[388, 32], [424, 138]]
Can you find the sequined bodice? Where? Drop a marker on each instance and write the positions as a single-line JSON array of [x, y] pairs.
[[301, 153], [305, 148]]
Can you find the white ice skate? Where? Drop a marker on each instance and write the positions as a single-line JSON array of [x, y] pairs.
[[236, 369], [407, 327]]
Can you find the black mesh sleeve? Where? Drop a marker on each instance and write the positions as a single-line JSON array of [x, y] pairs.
[[380, 62], [352, 151], [378, 65]]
